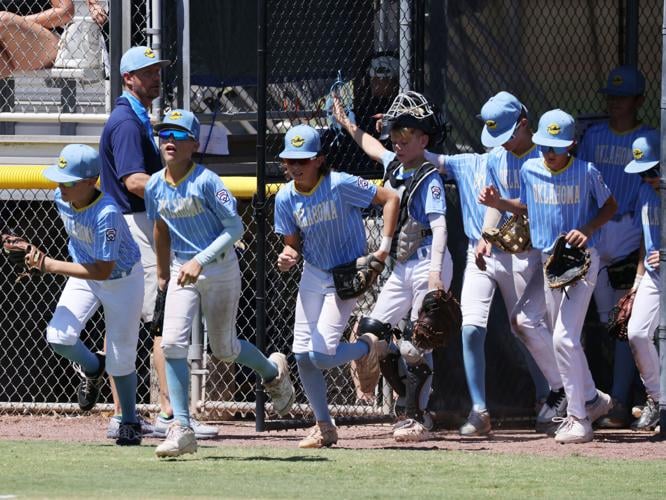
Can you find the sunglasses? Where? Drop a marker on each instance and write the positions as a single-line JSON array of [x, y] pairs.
[[558, 151], [176, 135], [651, 172], [70, 184], [297, 161]]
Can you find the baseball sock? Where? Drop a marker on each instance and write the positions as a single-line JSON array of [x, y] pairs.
[[178, 381], [541, 386], [624, 371], [126, 387], [80, 354], [314, 385], [251, 356], [474, 358], [343, 354]]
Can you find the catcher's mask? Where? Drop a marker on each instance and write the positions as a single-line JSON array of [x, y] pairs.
[[413, 110]]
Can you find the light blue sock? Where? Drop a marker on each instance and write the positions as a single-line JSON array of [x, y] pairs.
[[255, 359], [344, 354], [474, 357], [80, 354], [126, 387], [314, 385], [624, 371], [178, 380], [541, 387]]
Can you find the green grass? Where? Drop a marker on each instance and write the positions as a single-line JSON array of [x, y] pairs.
[[59, 470]]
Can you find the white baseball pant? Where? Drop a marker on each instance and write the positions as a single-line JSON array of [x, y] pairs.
[[142, 231]]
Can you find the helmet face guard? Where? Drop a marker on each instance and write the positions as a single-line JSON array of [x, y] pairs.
[[411, 109]]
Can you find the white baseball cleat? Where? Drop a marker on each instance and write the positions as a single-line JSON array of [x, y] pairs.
[[477, 424], [410, 430], [555, 406], [574, 430], [599, 407], [281, 388], [179, 440]]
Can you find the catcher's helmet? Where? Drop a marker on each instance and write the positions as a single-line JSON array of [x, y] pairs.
[[411, 109]]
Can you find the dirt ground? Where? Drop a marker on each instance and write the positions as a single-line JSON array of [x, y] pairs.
[[618, 444]]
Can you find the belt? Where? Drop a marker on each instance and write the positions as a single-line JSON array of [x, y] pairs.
[[185, 257]]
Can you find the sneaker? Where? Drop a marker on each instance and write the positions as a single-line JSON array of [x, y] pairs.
[[129, 434], [367, 367], [201, 430], [114, 426], [599, 406], [555, 406], [478, 424], [574, 430], [179, 440], [410, 430], [91, 384], [649, 416], [322, 434], [281, 388], [617, 418]]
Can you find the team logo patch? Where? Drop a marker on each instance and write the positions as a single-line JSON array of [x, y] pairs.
[[62, 163], [617, 81], [111, 234], [553, 129], [436, 192], [492, 124], [363, 183], [149, 53], [638, 154], [222, 195], [175, 115], [297, 141]]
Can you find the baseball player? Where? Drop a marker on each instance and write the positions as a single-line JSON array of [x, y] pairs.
[[419, 247], [608, 146], [645, 312], [564, 195], [196, 222], [105, 270], [318, 213]]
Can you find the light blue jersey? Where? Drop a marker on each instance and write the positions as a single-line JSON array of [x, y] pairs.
[[328, 218], [610, 152], [99, 232], [558, 202], [647, 212], [504, 170], [193, 209]]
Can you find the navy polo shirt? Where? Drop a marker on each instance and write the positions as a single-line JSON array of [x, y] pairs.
[[125, 148]]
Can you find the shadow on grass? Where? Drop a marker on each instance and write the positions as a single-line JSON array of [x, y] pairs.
[[295, 459]]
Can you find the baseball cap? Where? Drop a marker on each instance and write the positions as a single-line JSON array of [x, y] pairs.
[[624, 81], [140, 57], [646, 153], [302, 141], [500, 116], [76, 162], [384, 67], [180, 119], [556, 128]]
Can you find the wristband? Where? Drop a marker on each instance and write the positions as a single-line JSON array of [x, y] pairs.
[[386, 244]]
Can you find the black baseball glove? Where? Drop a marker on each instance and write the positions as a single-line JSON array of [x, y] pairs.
[[355, 277], [566, 265], [23, 255], [157, 325]]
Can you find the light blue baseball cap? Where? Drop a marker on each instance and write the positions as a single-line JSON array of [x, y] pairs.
[[180, 119], [646, 150], [137, 58], [500, 116], [624, 81], [302, 141], [556, 128], [76, 162]]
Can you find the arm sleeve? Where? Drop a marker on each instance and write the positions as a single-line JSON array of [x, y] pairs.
[[439, 233], [233, 230]]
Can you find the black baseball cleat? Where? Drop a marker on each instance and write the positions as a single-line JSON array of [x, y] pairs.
[[129, 435], [91, 385]]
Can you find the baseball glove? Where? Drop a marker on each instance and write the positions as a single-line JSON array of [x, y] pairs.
[[621, 274], [355, 277], [439, 320], [566, 265], [619, 316], [513, 236], [24, 256], [158, 315]]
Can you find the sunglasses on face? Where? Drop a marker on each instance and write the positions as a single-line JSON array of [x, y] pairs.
[[176, 135], [558, 151], [70, 184], [297, 161], [651, 172]]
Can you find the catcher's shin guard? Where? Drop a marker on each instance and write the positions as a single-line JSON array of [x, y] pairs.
[[370, 325], [416, 378], [389, 368]]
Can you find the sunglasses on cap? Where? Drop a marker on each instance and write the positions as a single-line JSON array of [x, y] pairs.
[[176, 135], [650, 172], [297, 161], [557, 150]]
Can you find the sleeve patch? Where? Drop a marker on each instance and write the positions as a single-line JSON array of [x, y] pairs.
[[111, 234], [363, 183], [222, 195], [436, 192]]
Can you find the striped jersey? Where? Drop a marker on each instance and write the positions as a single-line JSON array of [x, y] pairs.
[[504, 170], [647, 213], [193, 209], [558, 202], [610, 152], [99, 232], [328, 218]]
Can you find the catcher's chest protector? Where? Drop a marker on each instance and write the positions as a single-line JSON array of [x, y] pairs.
[[409, 232]]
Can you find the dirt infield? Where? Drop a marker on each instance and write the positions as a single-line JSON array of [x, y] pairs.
[[618, 444]]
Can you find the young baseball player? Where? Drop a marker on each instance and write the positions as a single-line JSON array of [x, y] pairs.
[[419, 248], [564, 195], [608, 146], [196, 226], [318, 213], [105, 270], [645, 312]]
